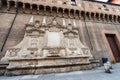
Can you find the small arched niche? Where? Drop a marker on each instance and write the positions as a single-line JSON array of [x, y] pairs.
[[27, 8]]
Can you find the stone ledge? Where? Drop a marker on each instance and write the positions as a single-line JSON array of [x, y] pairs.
[[45, 70], [3, 66], [95, 63], [45, 66], [47, 62], [47, 58]]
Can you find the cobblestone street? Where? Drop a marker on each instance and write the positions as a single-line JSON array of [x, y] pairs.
[[95, 74]]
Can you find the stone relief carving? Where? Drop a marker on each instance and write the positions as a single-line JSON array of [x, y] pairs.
[[53, 40], [12, 52], [34, 42]]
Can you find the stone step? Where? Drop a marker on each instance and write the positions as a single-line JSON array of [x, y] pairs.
[[3, 66]]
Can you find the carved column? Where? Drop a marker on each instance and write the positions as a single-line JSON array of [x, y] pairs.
[[8, 5]]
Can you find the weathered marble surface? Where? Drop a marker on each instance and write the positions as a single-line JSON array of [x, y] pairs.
[[47, 46]]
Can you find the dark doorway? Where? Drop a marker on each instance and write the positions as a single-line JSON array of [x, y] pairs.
[[114, 45]]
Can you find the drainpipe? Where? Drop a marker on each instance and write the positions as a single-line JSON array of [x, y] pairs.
[[0, 4], [88, 33], [6, 37]]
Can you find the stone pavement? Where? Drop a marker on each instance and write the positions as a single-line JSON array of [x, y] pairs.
[[95, 74]]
